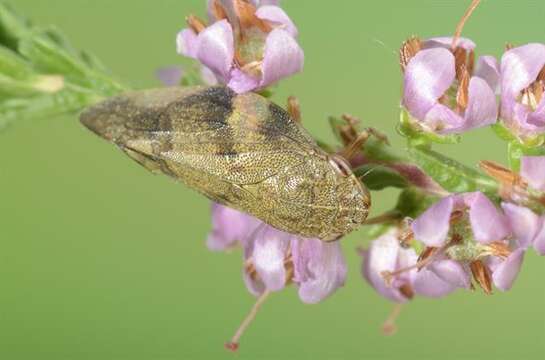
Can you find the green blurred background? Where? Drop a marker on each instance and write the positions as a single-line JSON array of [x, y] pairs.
[[101, 260]]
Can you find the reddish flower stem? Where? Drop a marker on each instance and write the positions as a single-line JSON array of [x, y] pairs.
[[234, 343], [463, 21]]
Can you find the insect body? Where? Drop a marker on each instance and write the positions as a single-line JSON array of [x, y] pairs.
[[238, 150]]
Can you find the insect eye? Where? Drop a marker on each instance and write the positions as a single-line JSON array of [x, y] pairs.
[[340, 165]]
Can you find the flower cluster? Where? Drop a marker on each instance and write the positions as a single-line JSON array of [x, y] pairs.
[[445, 92], [463, 237], [247, 45], [274, 259]]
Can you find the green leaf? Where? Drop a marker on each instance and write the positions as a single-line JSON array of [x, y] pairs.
[[379, 177], [450, 174], [12, 27], [42, 74], [13, 65], [412, 202]]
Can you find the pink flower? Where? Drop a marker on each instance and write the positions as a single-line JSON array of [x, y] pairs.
[[522, 85], [436, 77], [247, 46], [486, 249], [528, 227], [230, 227], [275, 258], [385, 256]]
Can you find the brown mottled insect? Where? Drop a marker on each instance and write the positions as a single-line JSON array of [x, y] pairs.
[[238, 150]]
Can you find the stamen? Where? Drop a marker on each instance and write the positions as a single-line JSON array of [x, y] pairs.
[[353, 148], [462, 97], [408, 50], [502, 174], [294, 108], [420, 264], [463, 21], [195, 23], [481, 274], [460, 62], [499, 249], [233, 345], [218, 11], [349, 132], [245, 12], [389, 327]]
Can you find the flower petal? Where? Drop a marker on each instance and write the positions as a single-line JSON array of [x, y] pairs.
[[208, 76], [215, 48], [319, 268], [433, 225], [427, 283], [520, 67], [506, 273], [229, 226], [488, 69], [170, 76], [539, 241], [270, 247], [186, 43], [241, 82], [282, 57], [258, 3], [532, 169], [381, 256], [524, 223], [487, 222], [443, 120], [452, 272], [427, 76], [482, 109], [446, 43], [277, 16]]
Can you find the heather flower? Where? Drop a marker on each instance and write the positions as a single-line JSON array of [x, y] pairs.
[[230, 227], [275, 258], [442, 93], [528, 227], [247, 46], [470, 230], [522, 85], [393, 272]]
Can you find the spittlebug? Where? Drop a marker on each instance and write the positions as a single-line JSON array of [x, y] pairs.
[[242, 151]]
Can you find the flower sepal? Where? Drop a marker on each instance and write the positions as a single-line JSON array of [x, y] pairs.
[[517, 150], [417, 136]]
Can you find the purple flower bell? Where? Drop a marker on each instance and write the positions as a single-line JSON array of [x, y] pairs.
[[275, 258], [522, 87], [248, 45], [393, 272], [442, 93]]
